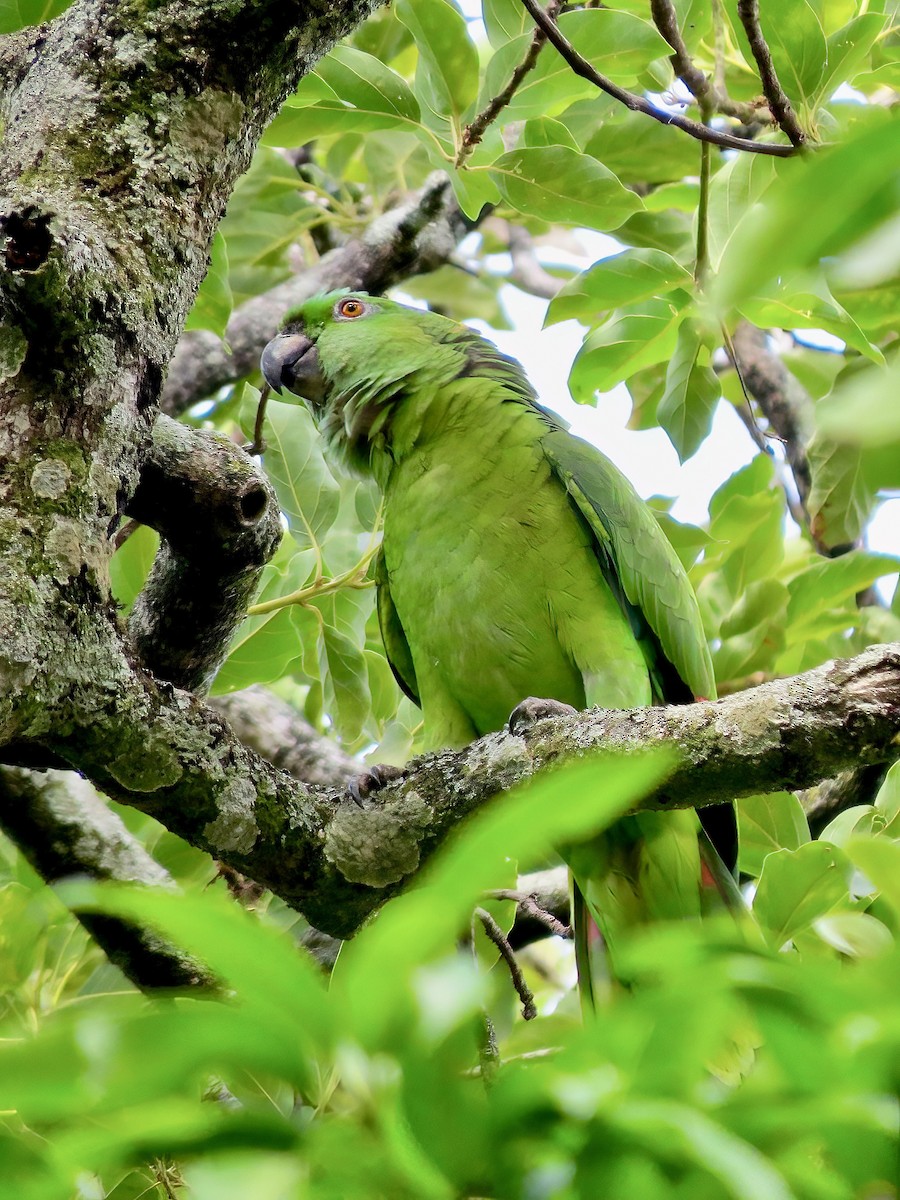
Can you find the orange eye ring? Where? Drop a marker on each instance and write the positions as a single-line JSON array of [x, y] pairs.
[[351, 308]]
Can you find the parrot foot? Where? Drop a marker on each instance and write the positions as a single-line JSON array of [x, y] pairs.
[[367, 783], [534, 709]]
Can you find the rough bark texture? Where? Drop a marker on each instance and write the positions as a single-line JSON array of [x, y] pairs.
[[164, 752], [64, 828], [218, 518]]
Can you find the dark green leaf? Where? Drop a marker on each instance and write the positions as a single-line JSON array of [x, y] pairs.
[[348, 90], [626, 344]]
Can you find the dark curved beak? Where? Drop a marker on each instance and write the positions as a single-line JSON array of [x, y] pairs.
[[290, 361]]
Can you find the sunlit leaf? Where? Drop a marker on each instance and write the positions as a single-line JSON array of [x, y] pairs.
[[797, 886], [625, 278], [557, 184], [767, 824]]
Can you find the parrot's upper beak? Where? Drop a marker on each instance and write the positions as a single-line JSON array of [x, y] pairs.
[[290, 360]]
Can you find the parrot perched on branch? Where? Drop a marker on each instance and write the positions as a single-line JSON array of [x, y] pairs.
[[517, 562]]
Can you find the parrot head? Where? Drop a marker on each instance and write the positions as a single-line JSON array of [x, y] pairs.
[[361, 361]]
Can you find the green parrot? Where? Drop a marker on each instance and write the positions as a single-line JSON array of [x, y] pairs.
[[516, 562]]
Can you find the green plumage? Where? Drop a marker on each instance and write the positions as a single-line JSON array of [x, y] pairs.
[[517, 560]]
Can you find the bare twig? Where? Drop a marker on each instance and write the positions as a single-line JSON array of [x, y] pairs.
[[748, 11], [498, 937], [704, 89], [529, 907], [475, 130], [637, 103]]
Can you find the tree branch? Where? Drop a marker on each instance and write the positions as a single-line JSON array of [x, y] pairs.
[[218, 518], [706, 92], [748, 11], [273, 729], [412, 239], [781, 400], [637, 103], [166, 754], [475, 130], [63, 828]]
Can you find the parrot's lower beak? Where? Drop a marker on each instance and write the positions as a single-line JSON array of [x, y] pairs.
[[290, 360]]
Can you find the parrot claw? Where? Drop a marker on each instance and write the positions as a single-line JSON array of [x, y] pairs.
[[364, 785], [534, 709]]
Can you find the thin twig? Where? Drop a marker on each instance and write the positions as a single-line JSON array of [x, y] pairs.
[[528, 906], [498, 937], [475, 130], [637, 103], [258, 445], [698, 83], [748, 11]]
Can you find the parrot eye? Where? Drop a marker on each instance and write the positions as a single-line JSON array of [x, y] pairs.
[[351, 308]]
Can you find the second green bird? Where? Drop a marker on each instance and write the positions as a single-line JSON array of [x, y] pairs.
[[517, 561]]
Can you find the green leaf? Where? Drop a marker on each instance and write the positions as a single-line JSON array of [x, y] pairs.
[[626, 344], [625, 278], [863, 409], [852, 822], [735, 190], [689, 1136], [447, 71], [308, 494], [828, 583], [348, 91], [692, 391], [797, 886], [346, 681], [504, 20], [796, 39], [858, 178], [879, 859], [856, 934], [16, 14], [212, 308], [887, 802], [131, 563], [848, 51], [767, 824], [265, 646], [840, 500], [558, 806], [806, 303], [557, 184]]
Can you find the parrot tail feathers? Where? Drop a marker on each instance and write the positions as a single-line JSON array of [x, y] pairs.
[[722, 879], [582, 924]]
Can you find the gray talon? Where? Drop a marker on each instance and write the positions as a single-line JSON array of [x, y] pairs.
[[364, 785], [535, 709]]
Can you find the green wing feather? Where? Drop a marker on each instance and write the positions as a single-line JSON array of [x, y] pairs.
[[393, 635], [638, 561]]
